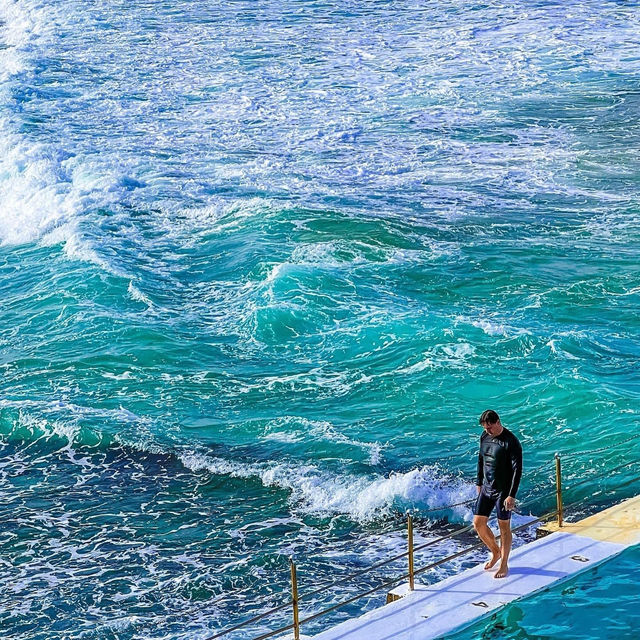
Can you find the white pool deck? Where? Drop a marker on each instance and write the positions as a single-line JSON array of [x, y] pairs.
[[431, 611]]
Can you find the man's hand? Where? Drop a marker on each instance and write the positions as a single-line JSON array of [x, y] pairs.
[[510, 503], [479, 488]]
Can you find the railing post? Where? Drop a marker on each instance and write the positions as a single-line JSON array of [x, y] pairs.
[[410, 537], [559, 488], [294, 598]]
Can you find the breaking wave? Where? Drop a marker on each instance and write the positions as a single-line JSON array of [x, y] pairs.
[[313, 490]]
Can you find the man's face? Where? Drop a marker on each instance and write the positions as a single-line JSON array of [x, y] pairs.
[[492, 429]]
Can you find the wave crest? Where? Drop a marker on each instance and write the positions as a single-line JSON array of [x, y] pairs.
[[312, 490], [315, 491]]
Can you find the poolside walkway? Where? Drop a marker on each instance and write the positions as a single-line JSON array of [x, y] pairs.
[[434, 610]]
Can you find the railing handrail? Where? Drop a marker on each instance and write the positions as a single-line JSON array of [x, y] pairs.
[[388, 583]]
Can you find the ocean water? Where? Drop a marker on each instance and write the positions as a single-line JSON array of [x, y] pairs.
[[262, 266]]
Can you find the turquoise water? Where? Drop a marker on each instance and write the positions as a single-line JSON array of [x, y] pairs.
[[601, 604], [262, 266]]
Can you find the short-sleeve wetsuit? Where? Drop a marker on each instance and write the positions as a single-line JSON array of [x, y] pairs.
[[499, 472]]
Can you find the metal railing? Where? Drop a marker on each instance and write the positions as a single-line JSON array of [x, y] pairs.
[[559, 488], [296, 624]]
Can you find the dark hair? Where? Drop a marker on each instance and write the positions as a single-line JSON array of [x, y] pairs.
[[489, 417]]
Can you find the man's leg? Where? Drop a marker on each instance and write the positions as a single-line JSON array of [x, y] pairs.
[[505, 547], [486, 535]]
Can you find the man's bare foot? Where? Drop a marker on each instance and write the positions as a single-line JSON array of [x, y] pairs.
[[495, 556], [502, 572]]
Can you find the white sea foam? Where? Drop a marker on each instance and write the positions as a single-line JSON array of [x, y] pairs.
[[126, 375], [218, 216], [325, 430], [43, 192], [76, 410], [492, 327], [41, 426], [137, 295], [346, 254], [458, 350], [362, 498], [20, 23], [426, 363], [337, 253], [43, 188], [297, 429], [33, 198]]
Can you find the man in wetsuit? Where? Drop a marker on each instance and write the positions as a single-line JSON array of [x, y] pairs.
[[499, 472]]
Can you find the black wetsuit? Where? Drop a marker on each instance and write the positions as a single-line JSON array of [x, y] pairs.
[[499, 472]]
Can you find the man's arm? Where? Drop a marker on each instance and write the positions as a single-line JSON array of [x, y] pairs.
[[516, 467], [480, 472]]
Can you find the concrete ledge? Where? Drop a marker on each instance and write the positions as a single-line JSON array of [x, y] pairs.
[[431, 611], [620, 523], [400, 591]]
